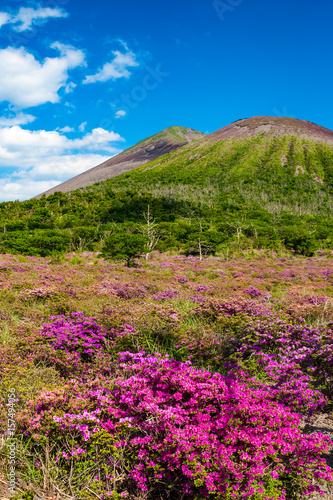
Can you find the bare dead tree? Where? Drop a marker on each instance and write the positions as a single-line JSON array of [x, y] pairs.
[[200, 247], [150, 232], [239, 226]]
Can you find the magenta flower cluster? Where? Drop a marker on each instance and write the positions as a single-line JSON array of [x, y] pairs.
[[75, 334], [292, 360], [254, 292], [165, 295], [202, 433], [167, 422], [182, 279]]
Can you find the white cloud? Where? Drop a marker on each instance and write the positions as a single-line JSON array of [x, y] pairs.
[[115, 69], [70, 87], [124, 44], [27, 17], [66, 129], [66, 166], [96, 140], [25, 82], [70, 106], [42, 159], [19, 119], [22, 190], [120, 113], [53, 170], [82, 126], [4, 18], [23, 147]]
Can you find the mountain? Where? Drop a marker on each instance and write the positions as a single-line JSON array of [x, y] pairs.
[[279, 163], [249, 144], [145, 151], [259, 183]]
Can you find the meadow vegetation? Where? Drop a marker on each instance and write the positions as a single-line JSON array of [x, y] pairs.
[[195, 372], [176, 378]]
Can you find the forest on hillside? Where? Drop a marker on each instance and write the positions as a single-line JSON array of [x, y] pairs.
[[258, 193]]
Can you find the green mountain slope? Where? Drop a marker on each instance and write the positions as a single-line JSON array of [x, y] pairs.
[[278, 172], [244, 186]]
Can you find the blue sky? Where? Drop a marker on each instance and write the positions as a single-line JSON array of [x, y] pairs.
[[81, 81]]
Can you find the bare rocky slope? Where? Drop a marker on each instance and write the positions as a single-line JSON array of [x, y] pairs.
[[145, 151], [273, 125]]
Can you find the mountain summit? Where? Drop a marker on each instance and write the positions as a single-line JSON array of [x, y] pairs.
[[145, 151], [273, 125]]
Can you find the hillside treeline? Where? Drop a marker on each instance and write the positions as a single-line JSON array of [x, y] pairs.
[[262, 192], [62, 223]]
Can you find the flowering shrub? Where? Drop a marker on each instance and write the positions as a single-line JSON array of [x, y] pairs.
[[312, 308], [202, 288], [291, 359], [254, 292], [75, 334], [182, 279], [216, 309], [128, 291], [75, 340], [164, 421], [38, 293], [295, 361], [167, 294]]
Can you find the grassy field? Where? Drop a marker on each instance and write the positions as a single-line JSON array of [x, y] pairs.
[[175, 379]]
